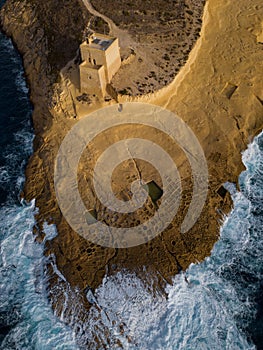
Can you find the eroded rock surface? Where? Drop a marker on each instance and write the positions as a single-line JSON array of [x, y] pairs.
[[218, 93]]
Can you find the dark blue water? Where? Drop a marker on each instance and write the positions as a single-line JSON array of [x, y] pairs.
[[26, 318], [220, 307], [16, 132], [220, 304]]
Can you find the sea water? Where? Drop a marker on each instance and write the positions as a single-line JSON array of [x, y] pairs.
[[215, 304], [26, 318]]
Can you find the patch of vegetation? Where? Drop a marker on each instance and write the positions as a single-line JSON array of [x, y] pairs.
[[63, 23], [124, 92], [166, 57]]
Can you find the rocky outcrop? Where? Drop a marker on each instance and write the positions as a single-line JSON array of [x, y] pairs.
[[218, 93]]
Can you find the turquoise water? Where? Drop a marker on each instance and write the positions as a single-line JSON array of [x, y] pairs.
[[218, 308]]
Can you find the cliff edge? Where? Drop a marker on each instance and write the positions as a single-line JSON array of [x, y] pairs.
[[218, 92]]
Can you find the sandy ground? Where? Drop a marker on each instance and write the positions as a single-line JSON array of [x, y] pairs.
[[155, 40], [154, 44], [218, 93]]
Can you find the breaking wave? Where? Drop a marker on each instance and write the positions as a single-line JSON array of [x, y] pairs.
[[213, 305]]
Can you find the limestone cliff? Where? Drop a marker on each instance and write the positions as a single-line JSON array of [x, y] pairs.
[[218, 93]]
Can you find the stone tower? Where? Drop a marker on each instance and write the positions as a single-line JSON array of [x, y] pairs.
[[101, 59]]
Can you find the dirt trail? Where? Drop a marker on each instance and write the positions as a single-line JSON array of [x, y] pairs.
[[228, 54], [125, 40], [154, 45]]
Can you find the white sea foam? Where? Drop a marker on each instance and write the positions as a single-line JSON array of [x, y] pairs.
[[21, 83], [15, 155], [22, 287], [208, 307], [4, 175], [26, 318]]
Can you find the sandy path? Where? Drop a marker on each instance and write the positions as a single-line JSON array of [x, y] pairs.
[[229, 53], [125, 40]]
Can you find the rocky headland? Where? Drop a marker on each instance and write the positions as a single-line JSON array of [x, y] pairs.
[[201, 61]]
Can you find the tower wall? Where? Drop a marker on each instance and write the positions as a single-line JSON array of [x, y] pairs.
[[113, 59], [92, 80], [101, 60]]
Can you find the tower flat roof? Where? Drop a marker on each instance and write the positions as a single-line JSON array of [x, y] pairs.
[[102, 44], [99, 41]]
